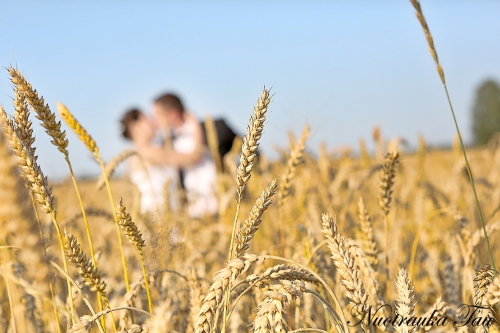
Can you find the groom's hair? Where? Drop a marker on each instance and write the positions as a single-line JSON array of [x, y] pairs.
[[129, 117], [170, 102]]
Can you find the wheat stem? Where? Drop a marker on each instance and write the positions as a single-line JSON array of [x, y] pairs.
[[135, 237], [432, 49], [91, 145]]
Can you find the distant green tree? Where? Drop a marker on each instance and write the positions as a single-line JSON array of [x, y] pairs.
[[486, 112]]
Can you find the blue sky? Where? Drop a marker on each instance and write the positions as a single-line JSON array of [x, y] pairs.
[[342, 66]]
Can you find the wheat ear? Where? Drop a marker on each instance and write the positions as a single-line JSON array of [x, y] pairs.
[[369, 243], [405, 303], [222, 280], [271, 314], [86, 269], [254, 219], [25, 93], [43, 113], [23, 123], [292, 163], [86, 139], [248, 155], [35, 181], [135, 237], [244, 170], [492, 296], [483, 279], [344, 262], [450, 283], [387, 175], [367, 273], [291, 166], [283, 272], [251, 142], [17, 218]]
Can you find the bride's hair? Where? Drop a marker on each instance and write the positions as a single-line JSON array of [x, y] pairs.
[[128, 118]]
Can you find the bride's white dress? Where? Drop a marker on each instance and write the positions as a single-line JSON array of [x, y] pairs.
[[199, 179], [150, 181]]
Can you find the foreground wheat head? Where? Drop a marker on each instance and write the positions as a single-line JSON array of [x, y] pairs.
[[251, 142]]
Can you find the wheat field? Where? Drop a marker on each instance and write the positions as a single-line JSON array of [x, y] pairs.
[[329, 242]]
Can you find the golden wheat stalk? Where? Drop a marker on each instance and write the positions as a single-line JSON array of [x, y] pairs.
[[428, 36], [271, 313], [244, 170], [35, 181], [369, 244], [86, 269], [292, 163], [283, 272], [25, 93], [368, 275], [251, 142], [492, 296], [344, 262], [17, 219], [451, 287], [221, 282], [75, 126], [23, 123], [43, 113], [387, 175], [482, 281], [432, 49], [405, 303], [135, 237], [87, 140], [249, 154], [254, 219], [31, 172]]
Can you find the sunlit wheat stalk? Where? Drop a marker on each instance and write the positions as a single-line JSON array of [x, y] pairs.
[[35, 181], [135, 237], [254, 219], [405, 304], [52, 128], [88, 271], [25, 132], [243, 172], [291, 166], [432, 49], [206, 322], [86, 139], [387, 175], [344, 262]]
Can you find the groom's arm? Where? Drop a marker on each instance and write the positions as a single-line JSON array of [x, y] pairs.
[[168, 156]]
